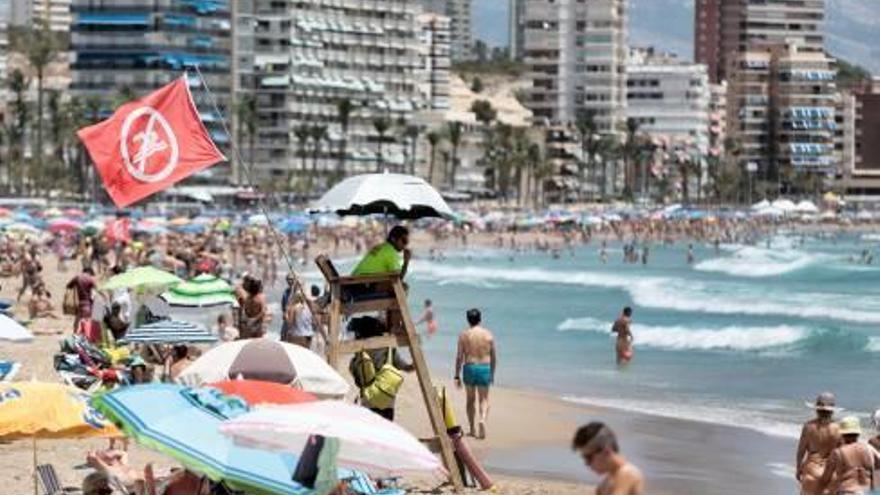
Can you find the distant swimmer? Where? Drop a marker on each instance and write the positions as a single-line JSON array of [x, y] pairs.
[[428, 318], [819, 438], [603, 253], [645, 254], [690, 254], [597, 445], [624, 345]]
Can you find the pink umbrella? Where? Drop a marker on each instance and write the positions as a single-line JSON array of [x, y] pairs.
[[74, 212], [366, 440], [64, 225]]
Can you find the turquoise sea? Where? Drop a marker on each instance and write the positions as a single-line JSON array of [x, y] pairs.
[[743, 337]]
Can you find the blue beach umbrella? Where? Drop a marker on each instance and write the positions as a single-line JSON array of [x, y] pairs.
[[183, 423]]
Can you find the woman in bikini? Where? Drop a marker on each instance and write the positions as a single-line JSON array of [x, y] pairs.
[[252, 311]]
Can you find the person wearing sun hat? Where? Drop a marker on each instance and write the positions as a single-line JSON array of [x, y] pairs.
[[851, 466], [819, 438]]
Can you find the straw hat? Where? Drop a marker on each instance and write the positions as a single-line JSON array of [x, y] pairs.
[[850, 426], [824, 402]]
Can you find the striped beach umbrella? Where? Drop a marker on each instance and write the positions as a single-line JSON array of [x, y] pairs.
[[184, 423], [201, 291], [144, 277], [171, 332]]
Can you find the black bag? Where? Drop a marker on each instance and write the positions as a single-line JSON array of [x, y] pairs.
[[366, 327]]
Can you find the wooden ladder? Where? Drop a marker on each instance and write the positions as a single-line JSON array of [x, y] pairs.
[[385, 293]]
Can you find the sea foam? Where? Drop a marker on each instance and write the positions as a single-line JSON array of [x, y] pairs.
[[750, 261]]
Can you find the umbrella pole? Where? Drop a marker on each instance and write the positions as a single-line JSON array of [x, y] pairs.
[[34, 445]]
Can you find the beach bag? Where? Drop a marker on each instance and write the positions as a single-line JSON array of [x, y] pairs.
[[362, 369], [381, 393], [70, 305]]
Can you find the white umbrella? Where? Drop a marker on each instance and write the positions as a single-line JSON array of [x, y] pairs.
[[806, 206], [786, 205], [402, 196], [12, 331], [760, 205], [366, 440], [267, 360]]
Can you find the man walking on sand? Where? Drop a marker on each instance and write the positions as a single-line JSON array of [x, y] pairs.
[[624, 337], [598, 447], [477, 359]]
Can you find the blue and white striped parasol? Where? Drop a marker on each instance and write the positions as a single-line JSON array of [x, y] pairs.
[[171, 332]]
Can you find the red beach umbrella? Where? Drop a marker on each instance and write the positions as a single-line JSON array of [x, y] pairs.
[[259, 392]]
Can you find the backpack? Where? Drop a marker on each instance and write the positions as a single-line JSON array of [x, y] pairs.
[[381, 392], [362, 369]]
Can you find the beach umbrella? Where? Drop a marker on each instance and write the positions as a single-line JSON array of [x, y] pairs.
[[141, 278], [22, 228], [183, 423], [256, 392], [48, 410], [12, 331], [786, 205], [266, 360], [170, 332], [5, 212], [52, 212], [148, 227], [258, 220], [402, 196], [367, 441], [192, 228], [806, 206], [201, 291], [64, 225], [74, 212], [179, 222], [760, 205], [94, 226]]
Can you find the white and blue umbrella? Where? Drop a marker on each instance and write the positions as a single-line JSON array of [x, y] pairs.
[[12, 331], [171, 332]]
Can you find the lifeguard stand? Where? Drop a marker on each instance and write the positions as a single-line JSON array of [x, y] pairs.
[[366, 294]]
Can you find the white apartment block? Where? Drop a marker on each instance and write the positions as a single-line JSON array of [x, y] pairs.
[[575, 52], [436, 59], [306, 57], [669, 98], [56, 13], [717, 118], [773, 22], [460, 14]]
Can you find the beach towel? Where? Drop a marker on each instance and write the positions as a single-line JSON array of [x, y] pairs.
[[8, 370]]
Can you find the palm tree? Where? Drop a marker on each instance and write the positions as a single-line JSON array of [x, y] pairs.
[[412, 133], [587, 128], [381, 125], [484, 112], [18, 85], [630, 152], [434, 139], [41, 49], [302, 133], [533, 159], [454, 130], [318, 134], [93, 115], [344, 109]]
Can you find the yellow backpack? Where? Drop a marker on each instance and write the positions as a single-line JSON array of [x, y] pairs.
[[380, 393]]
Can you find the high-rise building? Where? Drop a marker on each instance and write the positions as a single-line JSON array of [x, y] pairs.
[[436, 60], [27, 13], [724, 28], [575, 53], [122, 49], [782, 110], [459, 13], [859, 175], [306, 58], [717, 118], [668, 97]]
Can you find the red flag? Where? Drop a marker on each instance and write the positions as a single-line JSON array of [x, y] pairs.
[[150, 144], [118, 230]]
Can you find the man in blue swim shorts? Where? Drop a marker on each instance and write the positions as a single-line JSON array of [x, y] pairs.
[[475, 366]]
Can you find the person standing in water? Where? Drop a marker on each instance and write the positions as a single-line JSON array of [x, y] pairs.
[[597, 446], [819, 438], [476, 358], [624, 337], [690, 254], [428, 318]]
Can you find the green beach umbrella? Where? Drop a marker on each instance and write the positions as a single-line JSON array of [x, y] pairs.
[[142, 278], [203, 290]]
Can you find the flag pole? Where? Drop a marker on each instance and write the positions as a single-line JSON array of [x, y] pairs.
[[276, 236]]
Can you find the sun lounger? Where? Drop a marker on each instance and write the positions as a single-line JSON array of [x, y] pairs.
[[49, 482], [8, 370], [361, 484]]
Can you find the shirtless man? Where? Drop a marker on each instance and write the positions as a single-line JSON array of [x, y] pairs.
[[819, 438], [598, 447], [851, 464], [624, 337], [476, 358]]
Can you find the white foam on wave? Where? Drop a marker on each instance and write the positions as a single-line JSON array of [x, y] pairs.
[[751, 261], [735, 416], [679, 294], [735, 338], [873, 344]]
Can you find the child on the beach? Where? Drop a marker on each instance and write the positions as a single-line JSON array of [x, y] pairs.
[[428, 318]]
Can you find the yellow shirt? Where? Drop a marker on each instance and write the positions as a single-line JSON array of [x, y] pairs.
[[381, 259]]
